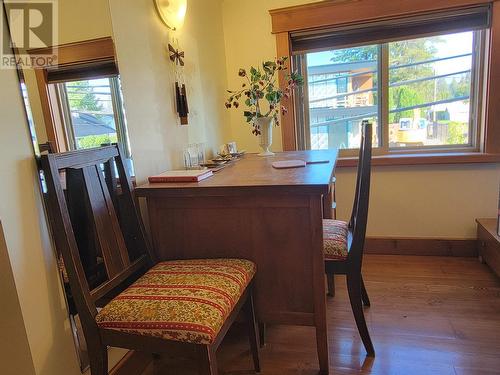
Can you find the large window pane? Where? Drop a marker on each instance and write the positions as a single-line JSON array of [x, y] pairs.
[[342, 91], [92, 114], [430, 91]]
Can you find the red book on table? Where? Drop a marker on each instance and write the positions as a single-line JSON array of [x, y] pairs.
[[181, 176]]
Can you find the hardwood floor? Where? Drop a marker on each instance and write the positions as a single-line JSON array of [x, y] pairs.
[[429, 315]]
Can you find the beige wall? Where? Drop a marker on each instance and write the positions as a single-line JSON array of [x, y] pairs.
[[157, 139], [15, 354], [83, 19], [248, 42], [414, 201], [425, 201], [31, 257], [43, 332], [38, 331]]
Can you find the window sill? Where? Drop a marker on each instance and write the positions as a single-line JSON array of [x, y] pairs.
[[425, 159]]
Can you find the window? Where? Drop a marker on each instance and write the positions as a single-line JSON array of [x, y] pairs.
[[429, 94], [442, 110], [81, 97], [93, 112], [342, 91], [431, 91]]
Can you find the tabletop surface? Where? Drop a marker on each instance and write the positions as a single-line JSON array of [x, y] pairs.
[[252, 171]]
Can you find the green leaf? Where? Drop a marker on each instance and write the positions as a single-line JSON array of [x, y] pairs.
[[255, 75], [269, 66]]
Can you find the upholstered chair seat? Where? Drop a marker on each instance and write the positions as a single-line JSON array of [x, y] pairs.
[[185, 300], [335, 239]]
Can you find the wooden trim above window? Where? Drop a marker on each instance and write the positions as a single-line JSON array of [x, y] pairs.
[[393, 29], [84, 52], [339, 12], [334, 13]]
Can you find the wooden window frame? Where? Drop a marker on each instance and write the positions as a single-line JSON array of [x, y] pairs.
[[333, 13], [85, 52]]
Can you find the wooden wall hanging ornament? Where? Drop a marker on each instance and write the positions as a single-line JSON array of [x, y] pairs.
[[177, 57]]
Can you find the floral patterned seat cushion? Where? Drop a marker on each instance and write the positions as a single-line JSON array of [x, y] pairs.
[[186, 300], [335, 239]]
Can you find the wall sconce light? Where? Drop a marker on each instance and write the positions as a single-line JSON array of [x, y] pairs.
[[171, 12]]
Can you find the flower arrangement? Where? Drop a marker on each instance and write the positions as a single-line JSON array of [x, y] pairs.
[[260, 85]]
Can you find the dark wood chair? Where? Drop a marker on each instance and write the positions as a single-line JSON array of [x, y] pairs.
[[182, 307], [344, 242]]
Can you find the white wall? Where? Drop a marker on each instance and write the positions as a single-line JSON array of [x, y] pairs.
[[407, 201], [157, 139]]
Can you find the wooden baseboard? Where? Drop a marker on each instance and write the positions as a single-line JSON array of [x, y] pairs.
[[421, 246], [133, 363]]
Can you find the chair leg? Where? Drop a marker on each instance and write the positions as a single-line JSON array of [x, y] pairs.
[[354, 290], [207, 362], [98, 359], [330, 279], [364, 294], [253, 334], [262, 334]]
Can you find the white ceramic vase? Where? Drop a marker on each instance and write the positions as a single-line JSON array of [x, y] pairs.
[[265, 125]]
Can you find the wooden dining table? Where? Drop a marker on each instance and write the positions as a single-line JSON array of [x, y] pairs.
[[254, 211]]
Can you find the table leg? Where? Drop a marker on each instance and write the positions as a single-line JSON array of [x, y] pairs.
[[319, 283], [322, 344]]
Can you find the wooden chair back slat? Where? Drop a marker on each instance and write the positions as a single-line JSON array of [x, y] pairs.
[[65, 240], [90, 229], [135, 233], [87, 157], [105, 288], [362, 147], [359, 218], [111, 181], [83, 226], [106, 224]]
